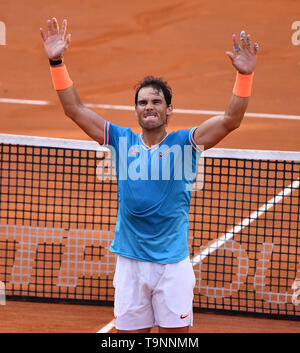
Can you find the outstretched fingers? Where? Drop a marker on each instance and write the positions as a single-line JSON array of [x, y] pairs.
[[43, 35], [243, 39], [67, 41], [53, 28], [248, 44], [50, 28], [230, 55], [55, 43], [236, 45], [243, 56], [248, 41], [55, 25], [245, 44], [255, 48], [236, 48], [63, 28]]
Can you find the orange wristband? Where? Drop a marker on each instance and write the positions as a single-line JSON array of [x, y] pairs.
[[60, 77], [243, 85]]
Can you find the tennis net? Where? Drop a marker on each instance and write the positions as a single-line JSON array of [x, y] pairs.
[[58, 208]]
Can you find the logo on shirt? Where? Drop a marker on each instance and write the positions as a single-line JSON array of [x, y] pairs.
[[133, 151], [161, 154], [184, 316]]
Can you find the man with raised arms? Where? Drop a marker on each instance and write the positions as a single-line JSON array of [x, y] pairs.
[[154, 278]]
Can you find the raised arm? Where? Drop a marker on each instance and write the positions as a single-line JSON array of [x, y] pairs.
[[55, 44], [213, 130]]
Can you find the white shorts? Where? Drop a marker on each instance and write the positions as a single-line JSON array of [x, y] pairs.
[[149, 294]]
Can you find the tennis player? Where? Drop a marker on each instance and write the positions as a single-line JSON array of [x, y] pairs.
[[154, 278]]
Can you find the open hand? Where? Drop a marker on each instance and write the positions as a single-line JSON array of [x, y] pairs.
[[55, 44], [245, 59]]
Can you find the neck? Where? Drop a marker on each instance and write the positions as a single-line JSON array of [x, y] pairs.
[[153, 137]]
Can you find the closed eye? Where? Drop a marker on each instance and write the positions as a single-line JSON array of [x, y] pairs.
[[144, 102]]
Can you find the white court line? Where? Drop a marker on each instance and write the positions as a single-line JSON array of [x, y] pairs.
[[24, 101], [245, 222], [176, 111], [107, 327]]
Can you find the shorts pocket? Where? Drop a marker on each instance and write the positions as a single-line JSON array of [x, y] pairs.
[[123, 289], [178, 287]]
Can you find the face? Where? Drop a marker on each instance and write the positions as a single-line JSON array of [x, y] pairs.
[[151, 109]]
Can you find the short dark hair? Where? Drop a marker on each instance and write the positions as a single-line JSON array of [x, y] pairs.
[[157, 83]]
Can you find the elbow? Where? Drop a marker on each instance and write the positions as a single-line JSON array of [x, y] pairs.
[[70, 114], [231, 123], [71, 111], [235, 126]]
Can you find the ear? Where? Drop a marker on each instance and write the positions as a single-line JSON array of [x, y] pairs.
[[170, 109]]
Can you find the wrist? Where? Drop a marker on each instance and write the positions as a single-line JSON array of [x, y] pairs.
[[243, 84], [245, 73], [55, 61], [60, 77]]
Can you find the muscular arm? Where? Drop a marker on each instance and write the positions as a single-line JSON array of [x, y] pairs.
[[216, 128], [55, 45], [213, 130], [89, 121]]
